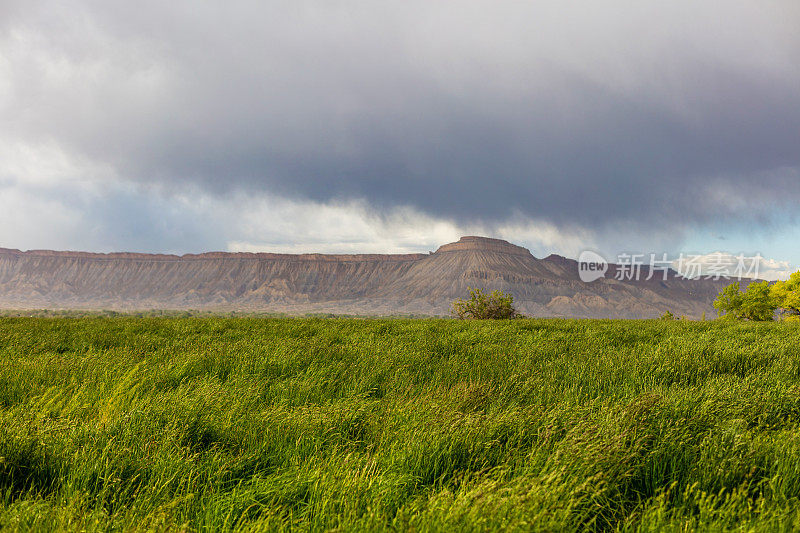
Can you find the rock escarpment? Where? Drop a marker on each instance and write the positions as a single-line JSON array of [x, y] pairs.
[[362, 284]]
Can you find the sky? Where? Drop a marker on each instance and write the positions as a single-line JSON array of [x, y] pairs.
[[398, 126]]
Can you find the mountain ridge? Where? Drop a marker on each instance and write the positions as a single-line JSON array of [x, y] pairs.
[[338, 283]]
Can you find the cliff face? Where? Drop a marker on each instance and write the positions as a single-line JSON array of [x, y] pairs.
[[366, 284]]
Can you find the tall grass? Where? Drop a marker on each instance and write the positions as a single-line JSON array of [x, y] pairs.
[[310, 424]]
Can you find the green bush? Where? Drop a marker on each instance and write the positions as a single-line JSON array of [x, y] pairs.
[[761, 300], [480, 305], [756, 303], [787, 295]]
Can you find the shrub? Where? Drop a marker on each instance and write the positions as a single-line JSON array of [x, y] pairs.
[[756, 303], [787, 296], [480, 305]]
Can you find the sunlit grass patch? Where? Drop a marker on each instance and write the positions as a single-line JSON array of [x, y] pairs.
[[314, 424]]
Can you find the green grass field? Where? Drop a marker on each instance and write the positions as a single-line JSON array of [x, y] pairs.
[[345, 424]]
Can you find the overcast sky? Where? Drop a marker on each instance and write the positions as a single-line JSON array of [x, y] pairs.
[[188, 126]]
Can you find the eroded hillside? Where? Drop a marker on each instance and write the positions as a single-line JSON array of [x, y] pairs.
[[364, 284]]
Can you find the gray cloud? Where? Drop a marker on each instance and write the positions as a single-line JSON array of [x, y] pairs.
[[583, 115]]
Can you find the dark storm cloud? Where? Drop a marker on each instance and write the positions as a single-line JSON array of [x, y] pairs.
[[678, 114]]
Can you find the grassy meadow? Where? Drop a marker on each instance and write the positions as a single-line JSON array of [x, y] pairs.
[[210, 424]]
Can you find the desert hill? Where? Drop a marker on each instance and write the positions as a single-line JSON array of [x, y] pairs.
[[362, 284]]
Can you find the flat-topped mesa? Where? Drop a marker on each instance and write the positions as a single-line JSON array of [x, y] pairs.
[[212, 256], [484, 244], [359, 284]]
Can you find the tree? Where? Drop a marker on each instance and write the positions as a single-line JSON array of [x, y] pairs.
[[787, 294], [756, 303], [480, 305], [729, 301]]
